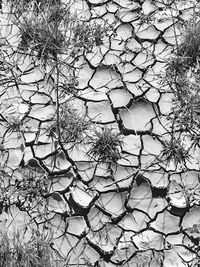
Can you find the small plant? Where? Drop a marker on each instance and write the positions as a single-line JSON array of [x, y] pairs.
[[187, 52], [24, 189], [41, 38], [189, 49], [185, 115], [105, 145], [14, 125], [174, 151], [29, 186], [53, 31], [70, 86], [86, 35], [44, 33], [183, 78], [73, 126]]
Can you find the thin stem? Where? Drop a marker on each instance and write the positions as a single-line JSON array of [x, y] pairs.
[[57, 101]]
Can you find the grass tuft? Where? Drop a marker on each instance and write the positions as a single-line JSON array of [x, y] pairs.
[[41, 39], [187, 52], [73, 126], [175, 151], [183, 78], [186, 103], [86, 35], [55, 31], [190, 46], [105, 145]]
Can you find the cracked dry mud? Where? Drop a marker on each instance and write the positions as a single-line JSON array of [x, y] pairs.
[[137, 211]]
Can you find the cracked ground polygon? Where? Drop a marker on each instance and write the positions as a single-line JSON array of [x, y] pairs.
[[137, 211]]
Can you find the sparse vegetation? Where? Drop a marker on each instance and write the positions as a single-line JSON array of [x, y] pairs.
[[186, 102], [174, 151], [88, 35], [41, 34], [88, 204], [185, 58], [187, 51], [24, 188], [52, 31], [14, 125], [36, 252], [18, 7], [41, 38], [105, 145], [183, 78], [73, 125]]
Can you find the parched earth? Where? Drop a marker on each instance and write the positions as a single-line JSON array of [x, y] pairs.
[[138, 211]]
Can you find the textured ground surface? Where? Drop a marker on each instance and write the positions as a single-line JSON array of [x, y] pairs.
[[140, 211]]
